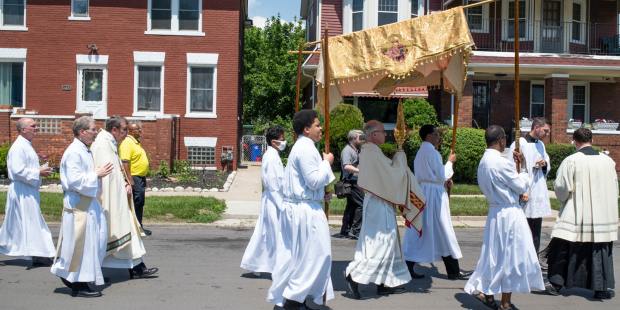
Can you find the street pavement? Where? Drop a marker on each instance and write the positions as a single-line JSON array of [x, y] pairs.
[[199, 269]]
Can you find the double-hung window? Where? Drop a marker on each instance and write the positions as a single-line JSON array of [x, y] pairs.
[[12, 84], [13, 15], [478, 17], [578, 22], [510, 22], [415, 8], [175, 17], [357, 14], [537, 100], [148, 83], [388, 12], [79, 10], [201, 85]]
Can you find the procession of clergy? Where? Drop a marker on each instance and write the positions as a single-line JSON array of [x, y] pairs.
[[291, 240], [99, 225]]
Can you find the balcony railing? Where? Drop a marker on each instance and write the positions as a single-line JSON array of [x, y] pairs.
[[546, 37]]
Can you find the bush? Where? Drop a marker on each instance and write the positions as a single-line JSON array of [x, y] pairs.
[[4, 152], [388, 149], [470, 147], [343, 118], [419, 112], [163, 170], [557, 153]]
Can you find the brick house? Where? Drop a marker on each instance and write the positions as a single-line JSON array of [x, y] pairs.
[[174, 65], [570, 59]]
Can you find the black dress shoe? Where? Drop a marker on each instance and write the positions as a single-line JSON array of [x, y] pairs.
[[608, 294], [413, 274], [85, 292], [352, 286], [293, 305], [147, 232], [552, 289], [384, 290], [140, 271], [462, 275]]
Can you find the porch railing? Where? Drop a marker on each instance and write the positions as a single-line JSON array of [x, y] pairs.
[[547, 37]]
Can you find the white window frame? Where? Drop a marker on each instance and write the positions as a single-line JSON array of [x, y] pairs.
[[17, 55], [204, 60], [390, 12], [77, 17], [582, 38], [98, 62], [174, 22], [570, 99], [485, 17], [13, 27], [420, 8], [532, 84], [528, 36], [148, 59], [363, 16]]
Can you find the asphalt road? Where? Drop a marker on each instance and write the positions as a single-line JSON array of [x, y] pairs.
[[199, 269]]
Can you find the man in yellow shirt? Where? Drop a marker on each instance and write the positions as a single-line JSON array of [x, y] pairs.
[[131, 152]]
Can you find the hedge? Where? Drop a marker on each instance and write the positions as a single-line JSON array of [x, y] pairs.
[[419, 112], [343, 118], [4, 152], [557, 153]]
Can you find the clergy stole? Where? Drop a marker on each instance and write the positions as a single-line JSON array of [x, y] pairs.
[[80, 216], [392, 181]]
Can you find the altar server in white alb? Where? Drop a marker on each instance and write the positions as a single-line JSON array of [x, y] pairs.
[[388, 184], [438, 241], [260, 254], [83, 233], [508, 262], [125, 249], [24, 231], [303, 265], [538, 166], [580, 253]]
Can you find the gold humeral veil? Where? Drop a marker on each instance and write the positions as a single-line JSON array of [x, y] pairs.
[[410, 53]]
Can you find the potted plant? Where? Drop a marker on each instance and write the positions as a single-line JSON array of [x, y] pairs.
[[525, 123], [604, 124], [574, 123]]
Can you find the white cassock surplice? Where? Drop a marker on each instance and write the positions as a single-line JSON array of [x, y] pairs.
[[438, 239], [260, 254], [378, 257], [538, 204], [125, 247], [508, 262], [303, 262], [24, 231], [80, 185]]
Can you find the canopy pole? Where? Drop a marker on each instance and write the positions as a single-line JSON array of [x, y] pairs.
[[477, 4], [455, 121], [299, 61], [326, 84], [517, 80]]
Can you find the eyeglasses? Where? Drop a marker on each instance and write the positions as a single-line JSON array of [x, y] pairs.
[[381, 131]]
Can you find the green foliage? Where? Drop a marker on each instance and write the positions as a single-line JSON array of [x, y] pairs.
[[343, 118], [269, 71], [388, 149], [4, 152], [557, 153], [183, 171], [261, 125], [163, 170], [470, 147], [419, 112]]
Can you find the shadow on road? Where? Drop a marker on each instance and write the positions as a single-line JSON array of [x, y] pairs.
[[16, 262], [469, 302]]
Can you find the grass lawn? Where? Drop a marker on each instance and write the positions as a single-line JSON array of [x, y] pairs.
[[190, 209]]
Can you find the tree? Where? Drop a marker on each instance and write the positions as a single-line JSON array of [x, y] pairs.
[[269, 71]]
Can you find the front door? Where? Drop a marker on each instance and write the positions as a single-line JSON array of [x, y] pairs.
[[92, 90], [482, 105], [551, 28]]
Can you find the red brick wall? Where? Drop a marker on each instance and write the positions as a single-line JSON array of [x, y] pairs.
[[117, 28], [466, 105], [556, 90], [605, 101]]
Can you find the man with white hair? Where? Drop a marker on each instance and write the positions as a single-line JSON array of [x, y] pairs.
[[24, 231], [352, 216]]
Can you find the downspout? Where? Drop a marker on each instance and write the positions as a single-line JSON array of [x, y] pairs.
[[173, 141]]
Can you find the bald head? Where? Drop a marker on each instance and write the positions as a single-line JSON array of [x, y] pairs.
[[375, 132]]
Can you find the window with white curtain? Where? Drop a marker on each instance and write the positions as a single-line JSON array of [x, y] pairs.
[[12, 13], [79, 8], [12, 83], [149, 88], [201, 89], [388, 12], [357, 15], [174, 17]]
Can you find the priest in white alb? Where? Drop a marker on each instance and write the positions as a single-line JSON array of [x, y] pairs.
[[260, 254], [438, 242], [83, 234], [389, 185], [125, 248], [24, 232], [303, 264], [508, 262], [580, 253]]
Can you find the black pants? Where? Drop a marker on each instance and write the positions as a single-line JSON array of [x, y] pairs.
[[138, 189], [452, 265], [535, 228], [352, 216]]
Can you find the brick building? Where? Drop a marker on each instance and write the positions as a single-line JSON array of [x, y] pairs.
[[570, 59], [174, 65]]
